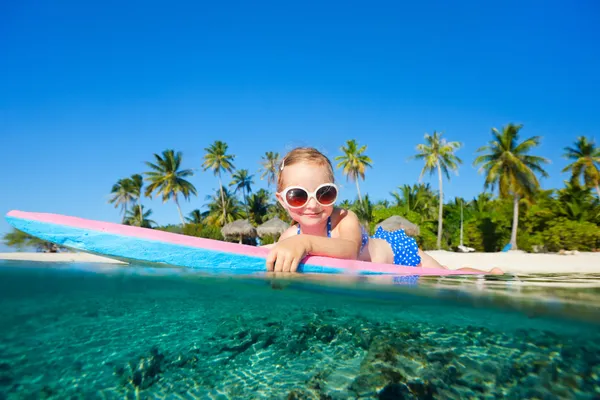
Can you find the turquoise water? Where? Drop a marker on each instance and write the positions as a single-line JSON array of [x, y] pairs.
[[81, 331]]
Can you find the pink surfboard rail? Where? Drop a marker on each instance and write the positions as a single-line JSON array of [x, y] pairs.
[[349, 266]]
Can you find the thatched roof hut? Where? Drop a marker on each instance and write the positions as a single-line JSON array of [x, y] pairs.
[[273, 227], [238, 229], [396, 222]]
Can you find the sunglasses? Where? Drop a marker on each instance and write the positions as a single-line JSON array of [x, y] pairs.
[[297, 197]]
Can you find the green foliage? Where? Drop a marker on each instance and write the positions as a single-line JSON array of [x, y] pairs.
[[354, 162], [427, 240], [203, 231], [167, 179], [549, 220], [193, 229], [258, 207], [138, 217], [224, 207], [585, 157], [364, 212], [21, 240], [568, 235], [268, 239], [269, 167]]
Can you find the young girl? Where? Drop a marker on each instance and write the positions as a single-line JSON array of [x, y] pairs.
[[306, 189]]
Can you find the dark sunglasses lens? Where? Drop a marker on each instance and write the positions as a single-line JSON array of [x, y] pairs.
[[326, 195], [296, 197]]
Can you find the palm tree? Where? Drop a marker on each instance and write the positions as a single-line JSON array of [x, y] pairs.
[[577, 203], [482, 202], [138, 217], [123, 192], [508, 166], [241, 180], [137, 182], [168, 180], [418, 198], [345, 204], [364, 212], [20, 239], [270, 163], [438, 155], [354, 162], [258, 207], [586, 158], [217, 159], [195, 217], [220, 213]]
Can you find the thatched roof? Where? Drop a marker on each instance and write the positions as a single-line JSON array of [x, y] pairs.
[[241, 227], [396, 222], [273, 227]]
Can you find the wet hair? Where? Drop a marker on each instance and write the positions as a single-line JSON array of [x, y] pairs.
[[307, 155]]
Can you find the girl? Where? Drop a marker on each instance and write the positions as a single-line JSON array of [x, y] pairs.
[[306, 189]]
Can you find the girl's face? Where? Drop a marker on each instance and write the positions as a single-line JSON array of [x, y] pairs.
[[310, 177]]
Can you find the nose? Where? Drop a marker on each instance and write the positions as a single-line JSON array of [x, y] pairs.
[[312, 203]]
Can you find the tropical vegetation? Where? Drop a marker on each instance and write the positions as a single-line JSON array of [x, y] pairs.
[[513, 210], [438, 156]]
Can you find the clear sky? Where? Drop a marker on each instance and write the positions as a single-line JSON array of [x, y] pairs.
[[89, 90]]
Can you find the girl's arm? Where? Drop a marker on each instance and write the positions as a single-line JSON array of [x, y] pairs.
[[347, 245], [288, 252]]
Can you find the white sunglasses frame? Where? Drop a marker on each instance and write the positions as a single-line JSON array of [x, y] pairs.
[[313, 194]]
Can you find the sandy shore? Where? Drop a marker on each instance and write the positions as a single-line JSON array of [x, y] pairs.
[[511, 262], [57, 257], [521, 262]]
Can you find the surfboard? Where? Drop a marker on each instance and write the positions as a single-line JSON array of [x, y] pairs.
[[134, 244]]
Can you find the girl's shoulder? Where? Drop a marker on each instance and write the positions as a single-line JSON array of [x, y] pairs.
[[290, 231], [342, 215]]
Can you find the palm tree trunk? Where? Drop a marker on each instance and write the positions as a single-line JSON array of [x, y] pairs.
[[358, 190], [141, 213], [222, 200], [180, 214], [246, 201], [441, 209], [513, 235], [461, 222]]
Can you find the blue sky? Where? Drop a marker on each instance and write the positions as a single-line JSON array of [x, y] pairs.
[[90, 90]]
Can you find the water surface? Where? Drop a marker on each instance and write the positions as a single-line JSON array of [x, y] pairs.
[[106, 331]]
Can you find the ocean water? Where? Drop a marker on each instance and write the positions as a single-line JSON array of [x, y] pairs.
[[82, 331]]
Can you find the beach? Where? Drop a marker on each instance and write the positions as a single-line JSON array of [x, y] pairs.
[[514, 262]]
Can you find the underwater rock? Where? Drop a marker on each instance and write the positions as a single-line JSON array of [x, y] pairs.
[[143, 373], [423, 390], [326, 333], [442, 356], [395, 391], [297, 394]]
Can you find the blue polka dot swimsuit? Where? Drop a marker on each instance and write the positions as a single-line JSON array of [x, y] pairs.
[[405, 249]]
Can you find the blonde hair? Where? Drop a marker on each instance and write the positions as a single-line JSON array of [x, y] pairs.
[[307, 155]]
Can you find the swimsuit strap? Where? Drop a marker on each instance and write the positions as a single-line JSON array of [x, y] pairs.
[[328, 227]]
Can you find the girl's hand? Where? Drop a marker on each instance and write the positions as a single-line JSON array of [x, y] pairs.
[[287, 254]]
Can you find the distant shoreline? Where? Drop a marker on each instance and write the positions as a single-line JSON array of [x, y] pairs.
[[510, 262], [57, 257]]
